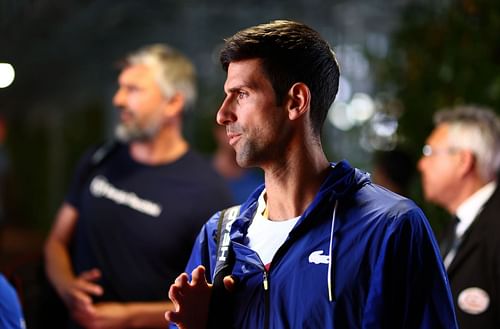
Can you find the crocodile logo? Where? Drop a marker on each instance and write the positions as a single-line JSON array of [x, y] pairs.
[[317, 257]]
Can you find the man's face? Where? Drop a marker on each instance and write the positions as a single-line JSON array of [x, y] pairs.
[[255, 125], [140, 102], [440, 179]]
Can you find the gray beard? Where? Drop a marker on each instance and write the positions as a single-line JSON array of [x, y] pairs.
[[126, 134]]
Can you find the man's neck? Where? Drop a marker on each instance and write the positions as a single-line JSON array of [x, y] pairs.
[[467, 189], [166, 147], [291, 185]]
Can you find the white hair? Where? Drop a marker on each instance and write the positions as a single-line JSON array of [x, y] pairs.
[[476, 129], [173, 71]]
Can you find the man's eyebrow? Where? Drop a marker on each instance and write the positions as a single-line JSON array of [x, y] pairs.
[[234, 89], [244, 85]]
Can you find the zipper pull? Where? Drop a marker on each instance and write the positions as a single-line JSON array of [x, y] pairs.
[[265, 282]]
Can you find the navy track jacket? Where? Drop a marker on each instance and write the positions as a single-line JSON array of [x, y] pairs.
[[360, 256]]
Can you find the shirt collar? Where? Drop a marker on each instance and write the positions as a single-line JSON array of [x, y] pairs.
[[471, 207]]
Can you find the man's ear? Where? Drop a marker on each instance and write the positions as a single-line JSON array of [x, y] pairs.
[[174, 105], [298, 100], [467, 162]]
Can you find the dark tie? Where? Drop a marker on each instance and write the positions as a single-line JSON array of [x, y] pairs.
[[449, 240]]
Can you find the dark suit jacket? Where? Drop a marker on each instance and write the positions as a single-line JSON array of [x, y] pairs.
[[477, 265]]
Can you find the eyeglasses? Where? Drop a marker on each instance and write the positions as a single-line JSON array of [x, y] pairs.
[[428, 151]]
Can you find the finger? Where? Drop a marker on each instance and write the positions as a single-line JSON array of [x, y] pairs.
[[90, 275], [198, 275], [175, 295], [229, 283], [90, 288], [172, 316], [81, 299], [182, 280]]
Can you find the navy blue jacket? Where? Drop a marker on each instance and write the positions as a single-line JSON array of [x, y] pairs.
[[360, 256]]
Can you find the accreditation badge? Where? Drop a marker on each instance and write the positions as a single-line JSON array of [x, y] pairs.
[[473, 300]]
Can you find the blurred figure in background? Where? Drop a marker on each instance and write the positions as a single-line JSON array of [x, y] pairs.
[[459, 169], [133, 209], [393, 170], [241, 181], [11, 315]]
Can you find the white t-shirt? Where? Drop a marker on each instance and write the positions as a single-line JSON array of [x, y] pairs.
[[266, 236]]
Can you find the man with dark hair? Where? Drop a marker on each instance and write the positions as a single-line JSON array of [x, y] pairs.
[[132, 212], [318, 246]]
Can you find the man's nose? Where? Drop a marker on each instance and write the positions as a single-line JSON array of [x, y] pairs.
[[421, 164], [225, 114], [118, 98]]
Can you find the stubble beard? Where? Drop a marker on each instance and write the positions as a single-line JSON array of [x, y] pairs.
[[251, 154], [243, 156]]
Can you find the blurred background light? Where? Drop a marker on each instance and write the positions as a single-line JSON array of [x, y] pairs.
[[7, 75], [384, 125], [338, 116], [361, 108]]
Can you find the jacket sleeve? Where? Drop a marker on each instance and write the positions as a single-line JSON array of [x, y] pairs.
[[409, 288], [204, 248]]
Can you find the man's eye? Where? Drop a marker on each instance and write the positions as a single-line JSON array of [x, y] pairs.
[[242, 94]]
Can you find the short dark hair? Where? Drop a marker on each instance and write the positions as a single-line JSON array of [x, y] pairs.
[[291, 52]]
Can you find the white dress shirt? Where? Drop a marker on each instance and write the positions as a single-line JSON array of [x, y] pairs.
[[467, 213]]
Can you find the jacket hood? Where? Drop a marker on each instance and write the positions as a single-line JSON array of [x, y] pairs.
[[343, 180]]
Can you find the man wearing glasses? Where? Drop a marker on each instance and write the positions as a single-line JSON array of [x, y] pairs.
[[459, 168]]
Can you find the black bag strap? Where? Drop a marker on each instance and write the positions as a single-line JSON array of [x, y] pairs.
[[103, 152], [221, 302], [223, 238], [98, 157]]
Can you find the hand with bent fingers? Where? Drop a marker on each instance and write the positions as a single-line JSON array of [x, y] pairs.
[[78, 294], [191, 299]]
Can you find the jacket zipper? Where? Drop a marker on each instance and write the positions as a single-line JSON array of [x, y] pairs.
[[265, 283]]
